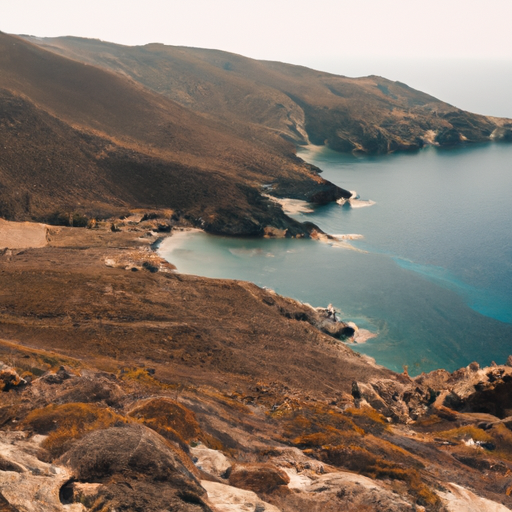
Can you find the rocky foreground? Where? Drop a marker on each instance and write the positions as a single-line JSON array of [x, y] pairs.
[[127, 386]]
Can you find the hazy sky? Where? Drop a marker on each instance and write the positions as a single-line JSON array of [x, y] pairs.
[[356, 37], [280, 29]]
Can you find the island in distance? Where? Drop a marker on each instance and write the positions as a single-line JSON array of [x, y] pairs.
[[128, 386]]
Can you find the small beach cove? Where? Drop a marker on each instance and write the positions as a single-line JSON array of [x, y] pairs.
[[431, 271]]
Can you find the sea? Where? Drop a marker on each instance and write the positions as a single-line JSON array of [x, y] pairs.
[[427, 266]]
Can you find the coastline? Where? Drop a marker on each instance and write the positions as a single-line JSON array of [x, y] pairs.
[[178, 237], [242, 366]]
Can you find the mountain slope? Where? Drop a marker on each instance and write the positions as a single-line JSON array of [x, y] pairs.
[[369, 114], [74, 134]]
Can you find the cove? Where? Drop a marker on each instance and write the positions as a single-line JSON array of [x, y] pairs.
[[432, 274]]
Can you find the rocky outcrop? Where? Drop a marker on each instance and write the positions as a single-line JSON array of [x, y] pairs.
[[472, 389], [344, 491], [9, 378], [503, 133], [458, 499], [468, 390]]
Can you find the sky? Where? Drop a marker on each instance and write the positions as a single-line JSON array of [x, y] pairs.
[[358, 37]]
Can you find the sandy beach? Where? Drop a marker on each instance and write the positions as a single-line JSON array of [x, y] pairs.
[[291, 206]]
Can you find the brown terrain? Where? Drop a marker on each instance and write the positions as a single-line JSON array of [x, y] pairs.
[[368, 114], [78, 139], [126, 386]]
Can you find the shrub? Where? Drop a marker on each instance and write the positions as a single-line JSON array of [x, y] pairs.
[[318, 425], [142, 376], [362, 461], [368, 419], [66, 423], [466, 433], [169, 418]]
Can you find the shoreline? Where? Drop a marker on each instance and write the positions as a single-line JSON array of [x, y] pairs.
[[177, 238]]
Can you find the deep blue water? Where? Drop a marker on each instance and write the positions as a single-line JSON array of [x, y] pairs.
[[433, 274]]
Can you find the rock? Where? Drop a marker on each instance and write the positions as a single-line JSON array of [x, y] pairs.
[[483, 465], [385, 396], [503, 133], [9, 378], [343, 490], [76, 492], [57, 377], [338, 330], [487, 391], [5, 506], [286, 457], [138, 471], [449, 136], [459, 499], [257, 477], [150, 267], [164, 228], [26, 483], [226, 498], [509, 361], [210, 461], [474, 366], [89, 387]]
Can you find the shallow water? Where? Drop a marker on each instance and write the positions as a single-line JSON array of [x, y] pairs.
[[433, 273]]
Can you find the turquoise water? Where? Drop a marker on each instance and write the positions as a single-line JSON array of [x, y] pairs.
[[432, 275]]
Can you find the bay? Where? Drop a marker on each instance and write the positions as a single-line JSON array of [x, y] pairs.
[[432, 275]]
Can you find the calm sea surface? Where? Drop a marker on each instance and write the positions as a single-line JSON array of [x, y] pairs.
[[432, 275]]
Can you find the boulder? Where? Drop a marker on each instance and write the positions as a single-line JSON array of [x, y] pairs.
[[210, 461], [28, 484], [138, 470], [257, 477]]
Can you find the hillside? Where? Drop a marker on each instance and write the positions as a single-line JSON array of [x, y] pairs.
[[124, 386], [103, 128], [76, 137], [369, 114]]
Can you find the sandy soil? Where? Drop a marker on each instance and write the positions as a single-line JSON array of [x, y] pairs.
[[22, 235]]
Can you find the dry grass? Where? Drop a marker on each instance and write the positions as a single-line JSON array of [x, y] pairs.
[[142, 377], [66, 423], [368, 419], [502, 438], [364, 462], [169, 418], [314, 426], [174, 422], [30, 362], [465, 434]]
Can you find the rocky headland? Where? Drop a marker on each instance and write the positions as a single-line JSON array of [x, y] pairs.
[[92, 129]]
